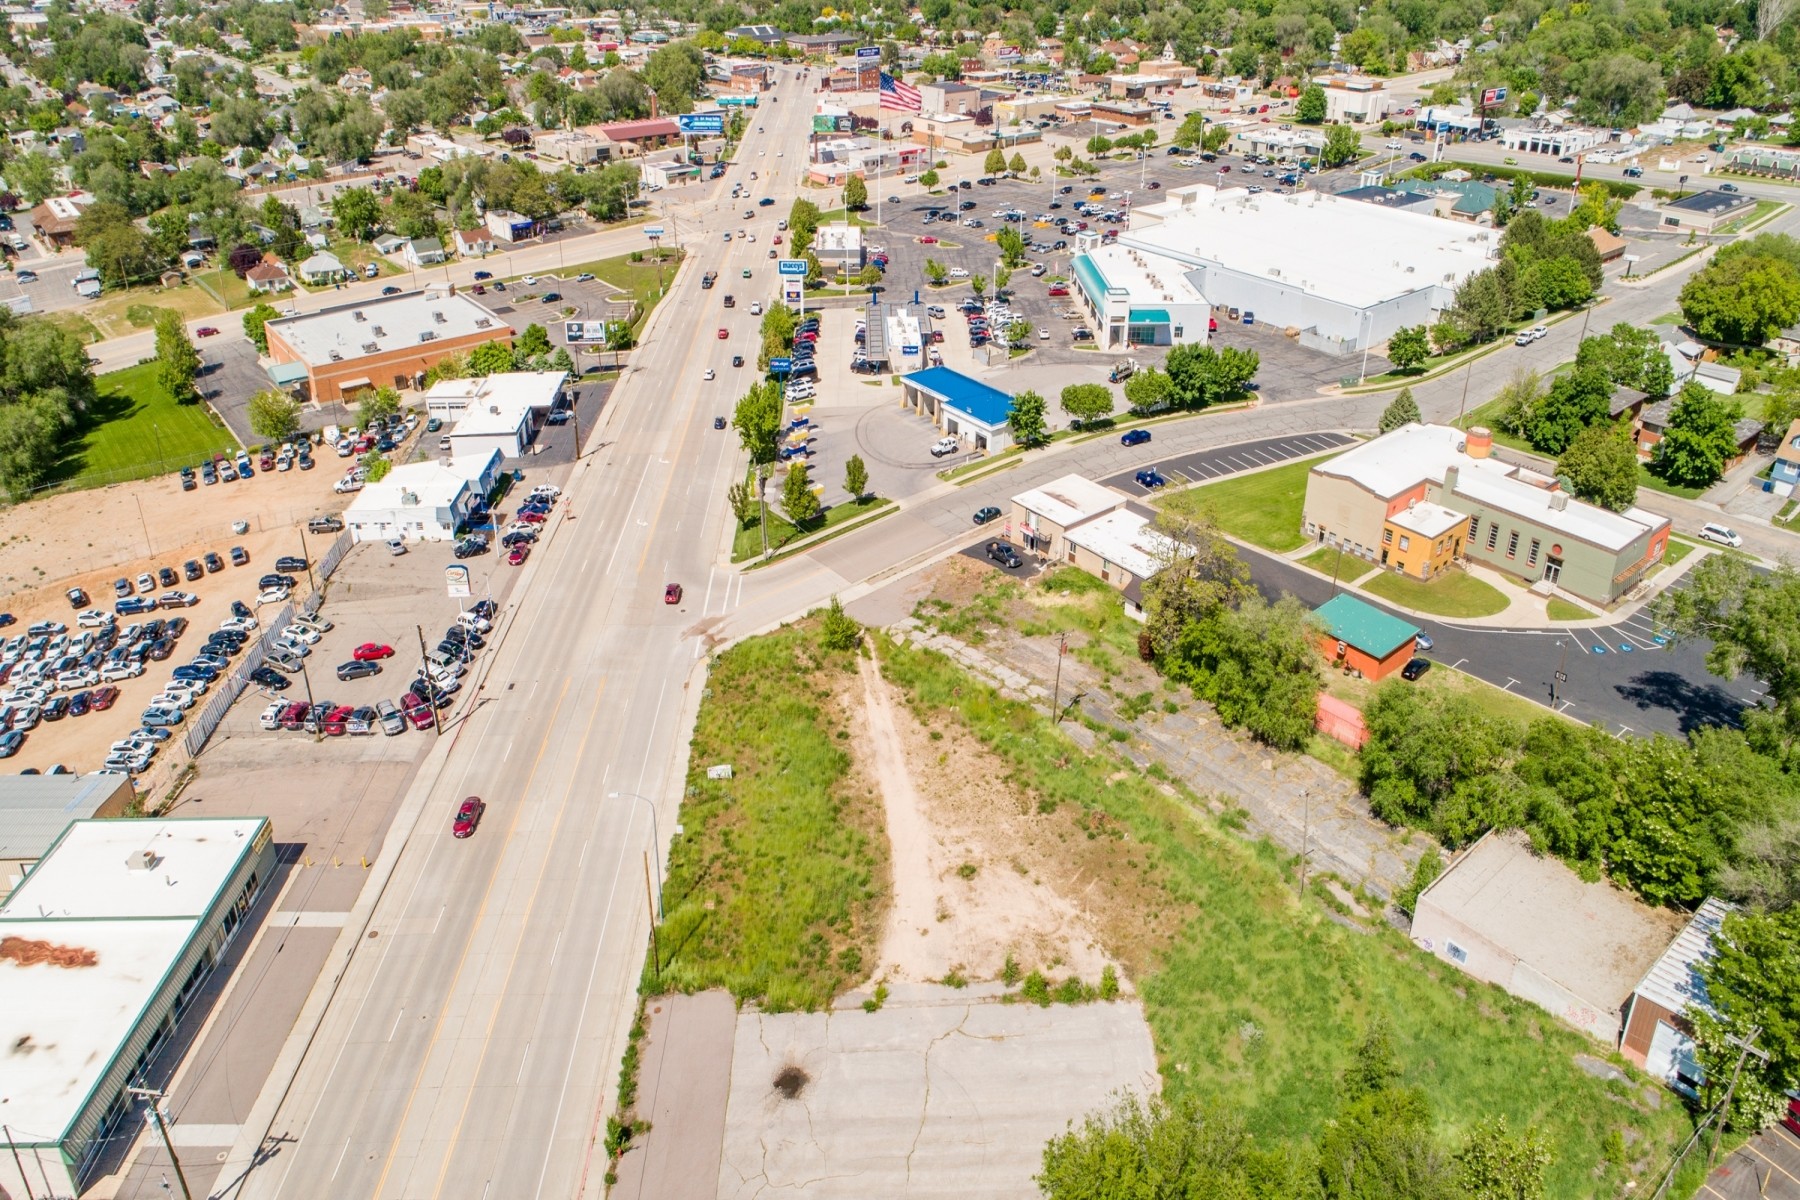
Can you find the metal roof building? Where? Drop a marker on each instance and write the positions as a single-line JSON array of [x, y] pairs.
[[961, 406], [35, 809], [101, 950]]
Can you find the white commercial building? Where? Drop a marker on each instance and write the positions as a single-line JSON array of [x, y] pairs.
[[423, 501], [494, 413], [1138, 299], [102, 948], [1343, 274], [1358, 99], [840, 244]]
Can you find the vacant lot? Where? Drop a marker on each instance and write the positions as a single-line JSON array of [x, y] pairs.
[[136, 429]]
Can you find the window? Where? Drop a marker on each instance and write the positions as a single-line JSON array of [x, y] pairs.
[[1474, 528], [1493, 536], [1456, 952], [1531, 558], [1512, 544], [1387, 537], [1405, 543]]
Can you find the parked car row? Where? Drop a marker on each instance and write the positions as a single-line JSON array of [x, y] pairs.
[[132, 597]]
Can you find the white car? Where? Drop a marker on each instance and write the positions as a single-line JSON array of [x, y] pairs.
[[547, 489], [315, 623], [396, 546], [756, 308], [186, 687], [271, 716], [80, 677], [1712, 531], [167, 699], [1043, 334], [959, 273], [93, 618], [1538, 331], [528, 280], [1395, 146], [943, 446], [348, 483], [244, 625], [709, 376], [297, 632], [274, 595], [475, 621], [113, 672]]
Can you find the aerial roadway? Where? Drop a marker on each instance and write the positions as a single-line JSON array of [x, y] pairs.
[[473, 1041]]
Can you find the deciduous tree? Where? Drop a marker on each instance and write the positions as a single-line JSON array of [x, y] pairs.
[[1087, 401], [1027, 420], [797, 498], [1601, 465], [758, 420], [1310, 108], [255, 321], [856, 193], [1409, 347], [1700, 438], [177, 362], [1148, 390], [856, 477], [274, 415]]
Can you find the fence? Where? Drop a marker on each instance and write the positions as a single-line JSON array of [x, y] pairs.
[[233, 685]]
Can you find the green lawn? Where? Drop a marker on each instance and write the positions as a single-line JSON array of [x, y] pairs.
[[1562, 610], [1263, 508], [135, 430], [747, 543], [1337, 564], [1648, 480], [1255, 999], [1678, 549], [1454, 594], [224, 286]]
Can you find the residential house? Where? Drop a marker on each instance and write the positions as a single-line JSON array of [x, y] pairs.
[[388, 243], [472, 243], [423, 252], [323, 267], [1653, 421], [1785, 471], [1356, 636], [1534, 928], [1690, 363], [268, 275]]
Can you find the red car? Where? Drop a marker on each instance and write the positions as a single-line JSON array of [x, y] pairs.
[[1057, 289], [1791, 1118], [103, 698], [672, 594], [532, 518], [206, 331], [928, 240], [519, 554], [334, 722], [723, 334], [467, 817], [370, 651], [416, 710], [293, 715]]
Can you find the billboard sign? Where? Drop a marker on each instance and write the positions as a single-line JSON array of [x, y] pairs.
[[700, 123], [791, 266], [456, 581], [1493, 96], [584, 333], [793, 290], [833, 123], [868, 53]]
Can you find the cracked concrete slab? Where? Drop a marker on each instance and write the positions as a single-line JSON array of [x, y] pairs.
[[941, 1093]]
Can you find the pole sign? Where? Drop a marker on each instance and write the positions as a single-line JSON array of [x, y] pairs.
[[780, 366], [653, 231], [867, 53], [456, 581], [791, 266], [1493, 96], [793, 289], [701, 123]]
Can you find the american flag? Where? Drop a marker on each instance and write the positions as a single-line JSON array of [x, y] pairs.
[[899, 96]]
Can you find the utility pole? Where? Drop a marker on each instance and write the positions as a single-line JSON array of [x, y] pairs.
[[1305, 834], [155, 1098], [437, 726], [1062, 648], [1746, 1048], [1463, 412], [18, 1164], [311, 582]]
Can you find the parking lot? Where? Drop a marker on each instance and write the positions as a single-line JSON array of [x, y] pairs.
[[1767, 1167], [1228, 460]]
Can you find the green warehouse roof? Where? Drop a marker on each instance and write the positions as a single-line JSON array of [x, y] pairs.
[[1364, 626]]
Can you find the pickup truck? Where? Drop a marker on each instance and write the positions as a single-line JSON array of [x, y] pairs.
[[708, 279]]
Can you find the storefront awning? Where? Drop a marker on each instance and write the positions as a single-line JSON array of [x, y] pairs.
[[1149, 316], [286, 374]]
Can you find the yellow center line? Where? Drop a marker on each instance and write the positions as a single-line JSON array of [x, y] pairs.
[[468, 945], [518, 945]]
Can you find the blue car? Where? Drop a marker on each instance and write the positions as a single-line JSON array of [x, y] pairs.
[[1150, 478], [195, 670], [131, 606], [1135, 437], [10, 741]]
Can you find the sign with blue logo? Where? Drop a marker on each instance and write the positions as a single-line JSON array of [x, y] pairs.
[[868, 53], [780, 366], [791, 266], [653, 231], [693, 123]]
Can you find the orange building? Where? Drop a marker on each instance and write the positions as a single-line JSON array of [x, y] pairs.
[[1422, 539], [1363, 638], [374, 343]]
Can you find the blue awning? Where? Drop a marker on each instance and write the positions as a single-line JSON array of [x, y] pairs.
[[1149, 316]]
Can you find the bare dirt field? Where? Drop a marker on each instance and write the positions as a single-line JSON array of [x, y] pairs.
[[977, 875]]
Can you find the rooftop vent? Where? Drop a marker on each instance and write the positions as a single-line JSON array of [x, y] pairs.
[[482, 323], [426, 335], [378, 331], [336, 357], [359, 315], [439, 317], [371, 347]]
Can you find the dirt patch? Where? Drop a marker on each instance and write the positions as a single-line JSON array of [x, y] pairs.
[[978, 874], [791, 1081]]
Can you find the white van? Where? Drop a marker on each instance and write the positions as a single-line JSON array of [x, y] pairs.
[[1712, 531]]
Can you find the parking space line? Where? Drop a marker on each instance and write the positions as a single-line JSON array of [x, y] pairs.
[[1751, 1147], [1509, 684]]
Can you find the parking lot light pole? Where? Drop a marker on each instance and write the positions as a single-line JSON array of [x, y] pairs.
[[655, 838]]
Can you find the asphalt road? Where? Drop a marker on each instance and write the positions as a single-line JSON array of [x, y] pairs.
[[475, 1036]]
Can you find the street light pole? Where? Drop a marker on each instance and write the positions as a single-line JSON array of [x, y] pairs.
[[655, 838]]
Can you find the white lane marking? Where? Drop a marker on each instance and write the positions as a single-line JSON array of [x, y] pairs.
[[523, 1060], [340, 1159], [619, 544], [392, 1032], [556, 947]]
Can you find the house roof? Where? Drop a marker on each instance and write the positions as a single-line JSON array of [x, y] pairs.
[[267, 272], [1426, 519], [1125, 539], [1789, 450], [1364, 626], [321, 263], [621, 131], [988, 405], [470, 237], [1593, 939], [1674, 979]]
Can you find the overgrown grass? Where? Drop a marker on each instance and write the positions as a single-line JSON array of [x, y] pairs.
[[1452, 594], [134, 430], [1069, 600], [1648, 479], [1258, 1000], [775, 882], [224, 286], [747, 542], [121, 312], [1263, 508]]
